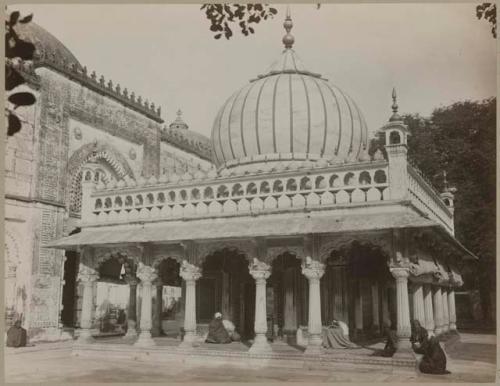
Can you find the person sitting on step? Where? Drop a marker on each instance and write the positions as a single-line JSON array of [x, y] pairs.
[[391, 343], [434, 359], [418, 334], [217, 333], [16, 335]]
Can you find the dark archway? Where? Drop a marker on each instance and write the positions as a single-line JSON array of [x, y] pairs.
[[226, 286], [70, 291], [168, 307], [288, 297], [355, 275]]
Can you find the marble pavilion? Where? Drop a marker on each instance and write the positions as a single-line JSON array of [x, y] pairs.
[[297, 225]]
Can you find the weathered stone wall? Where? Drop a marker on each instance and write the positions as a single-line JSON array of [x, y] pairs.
[[172, 159], [62, 101]]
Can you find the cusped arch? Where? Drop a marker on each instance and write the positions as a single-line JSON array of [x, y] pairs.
[[173, 256], [245, 249], [92, 152], [345, 243]]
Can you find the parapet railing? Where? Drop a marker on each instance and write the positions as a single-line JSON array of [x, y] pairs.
[[427, 200], [186, 197]]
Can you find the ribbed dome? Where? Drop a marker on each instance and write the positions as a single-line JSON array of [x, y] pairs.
[[288, 113]]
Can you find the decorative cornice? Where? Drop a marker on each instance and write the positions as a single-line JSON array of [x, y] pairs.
[[75, 73]]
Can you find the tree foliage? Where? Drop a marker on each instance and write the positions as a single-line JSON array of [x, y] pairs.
[[16, 49], [461, 140], [224, 17], [488, 12]]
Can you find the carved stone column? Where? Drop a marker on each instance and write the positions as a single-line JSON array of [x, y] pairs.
[[386, 317], [147, 274], [260, 271], [446, 316], [189, 273], [438, 310], [358, 307], [132, 308], [428, 309], [375, 307], [313, 270], [157, 330], [451, 309], [403, 309], [88, 277], [418, 303]]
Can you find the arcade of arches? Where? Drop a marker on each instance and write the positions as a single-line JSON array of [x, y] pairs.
[[270, 292]]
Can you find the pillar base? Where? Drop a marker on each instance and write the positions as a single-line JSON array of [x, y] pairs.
[[314, 345], [453, 327], [144, 339], [404, 349], [131, 333], [438, 331], [260, 345], [188, 339], [85, 336], [430, 332]]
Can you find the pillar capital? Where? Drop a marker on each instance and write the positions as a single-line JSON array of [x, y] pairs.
[[131, 280], [312, 269], [259, 270], [146, 273], [189, 272], [400, 273], [87, 274]]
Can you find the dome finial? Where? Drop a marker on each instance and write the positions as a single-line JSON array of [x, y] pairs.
[[395, 116], [288, 39]]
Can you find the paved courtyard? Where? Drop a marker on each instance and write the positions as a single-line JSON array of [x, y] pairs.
[[472, 359]]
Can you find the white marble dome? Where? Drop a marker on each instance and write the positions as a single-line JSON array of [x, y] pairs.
[[288, 113]]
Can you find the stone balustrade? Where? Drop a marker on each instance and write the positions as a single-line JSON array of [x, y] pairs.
[[210, 194], [426, 199]]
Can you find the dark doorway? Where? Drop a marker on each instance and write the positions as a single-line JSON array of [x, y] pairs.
[[69, 289]]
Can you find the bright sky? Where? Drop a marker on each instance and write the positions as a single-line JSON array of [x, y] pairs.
[[434, 54]]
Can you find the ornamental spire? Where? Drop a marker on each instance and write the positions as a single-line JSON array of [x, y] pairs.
[[288, 39], [395, 116]]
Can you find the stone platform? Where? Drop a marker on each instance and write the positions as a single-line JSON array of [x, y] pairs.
[[282, 355]]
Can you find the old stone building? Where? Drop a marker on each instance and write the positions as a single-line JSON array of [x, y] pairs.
[[79, 120], [297, 226]]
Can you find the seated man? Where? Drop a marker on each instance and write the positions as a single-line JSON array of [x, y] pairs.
[[418, 334], [434, 359], [217, 333], [390, 345], [334, 336], [229, 326], [16, 335]]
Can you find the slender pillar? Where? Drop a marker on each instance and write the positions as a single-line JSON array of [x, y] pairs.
[[158, 307], [260, 271], [132, 308], [446, 316], [190, 273], [88, 277], [147, 274], [386, 316], [451, 309], [358, 307], [403, 309], [438, 310], [418, 303], [375, 307], [429, 314], [313, 270]]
